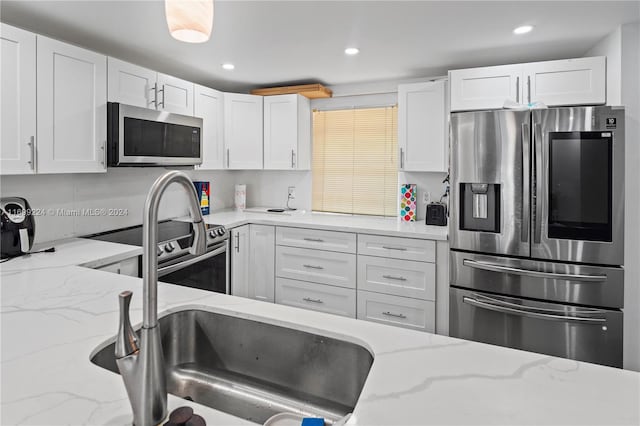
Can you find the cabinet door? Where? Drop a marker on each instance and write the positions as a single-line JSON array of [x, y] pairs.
[[280, 132], [175, 95], [18, 97], [422, 135], [485, 88], [72, 108], [580, 81], [243, 131], [240, 261], [208, 105], [130, 84], [399, 311], [262, 260]]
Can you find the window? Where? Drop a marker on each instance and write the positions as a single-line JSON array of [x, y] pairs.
[[355, 161]]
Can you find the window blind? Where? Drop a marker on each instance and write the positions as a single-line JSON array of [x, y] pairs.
[[355, 161]]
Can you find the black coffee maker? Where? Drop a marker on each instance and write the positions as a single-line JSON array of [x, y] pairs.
[[18, 227]]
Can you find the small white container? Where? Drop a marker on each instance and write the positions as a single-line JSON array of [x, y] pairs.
[[241, 197]]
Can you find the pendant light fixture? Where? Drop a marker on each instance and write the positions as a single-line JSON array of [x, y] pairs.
[[189, 20]]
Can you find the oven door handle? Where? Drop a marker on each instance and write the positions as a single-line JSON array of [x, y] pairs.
[[181, 265], [499, 307], [529, 273]]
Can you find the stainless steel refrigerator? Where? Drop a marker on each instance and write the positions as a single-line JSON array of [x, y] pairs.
[[537, 230]]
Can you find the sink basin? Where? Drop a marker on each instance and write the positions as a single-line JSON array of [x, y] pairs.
[[254, 370]]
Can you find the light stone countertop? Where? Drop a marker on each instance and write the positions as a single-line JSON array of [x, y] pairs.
[[332, 222], [54, 315]]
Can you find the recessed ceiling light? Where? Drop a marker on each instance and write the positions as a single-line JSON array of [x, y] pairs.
[[523, 29], [351, 51], [228, 67]]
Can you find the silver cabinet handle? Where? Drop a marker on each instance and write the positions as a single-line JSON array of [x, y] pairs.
[[391, 314], [392, 277], [517, 89], [104, 152], [401, 158], [32, 149], [154, 89], [237, 243], [228, 164], [395, 248], [529, 273], [499, 306], [162, 90], [313, 266], [315, 240], [308, 299], [293, 159], [529, 88]]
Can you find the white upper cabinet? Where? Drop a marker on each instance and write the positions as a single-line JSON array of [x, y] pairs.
[[287, 132], [209, 105], [130, 84], [175, 95], [580, 81], [422, 135], [71, 108], [485, 88], [134, 85], [243, 131], [18, 97]]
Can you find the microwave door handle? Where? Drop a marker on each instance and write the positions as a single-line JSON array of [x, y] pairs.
[[524, 175], [499, 307], [181, 265], [485, 266]]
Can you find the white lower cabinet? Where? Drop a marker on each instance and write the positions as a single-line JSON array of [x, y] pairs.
[[394, 310], [398, 277], [317, 297], [262, 251], [127, 267], [240, 255], [323, 267]]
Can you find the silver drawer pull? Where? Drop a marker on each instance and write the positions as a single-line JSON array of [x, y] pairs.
[[395, 248], [314, 240], [391, 314], [391, 277], [313, 266], [308, 299]]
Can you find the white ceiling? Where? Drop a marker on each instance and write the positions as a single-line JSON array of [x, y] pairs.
[[303, 41]]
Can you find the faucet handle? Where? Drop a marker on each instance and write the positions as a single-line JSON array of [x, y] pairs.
[[126, 340]]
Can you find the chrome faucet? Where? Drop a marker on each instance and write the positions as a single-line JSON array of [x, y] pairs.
[[141, 363]]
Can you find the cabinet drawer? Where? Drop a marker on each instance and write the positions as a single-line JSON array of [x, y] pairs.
[[399, 277], [317, 266], [314, 238], [398, 248], [317, 297], [398, 311]]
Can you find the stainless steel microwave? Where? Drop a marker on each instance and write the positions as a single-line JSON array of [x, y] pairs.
[[146, 137]]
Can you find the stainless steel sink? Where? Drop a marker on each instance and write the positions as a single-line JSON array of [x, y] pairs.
[[254, 370]]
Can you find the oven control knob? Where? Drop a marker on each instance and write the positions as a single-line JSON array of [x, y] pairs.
[[220, 231], [212, 234], [160, 251], [169, 247]]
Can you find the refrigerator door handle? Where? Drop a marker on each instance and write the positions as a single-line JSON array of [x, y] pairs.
[[536, 199], [529, 273], [525, 173], [500, 306]]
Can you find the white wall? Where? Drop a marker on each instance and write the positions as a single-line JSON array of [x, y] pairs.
[[622, 48]]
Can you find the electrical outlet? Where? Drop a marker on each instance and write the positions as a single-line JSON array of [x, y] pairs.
[[292, 192], [426, 197]]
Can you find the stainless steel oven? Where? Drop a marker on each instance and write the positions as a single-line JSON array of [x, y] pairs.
[[209, 271], [146, 137]]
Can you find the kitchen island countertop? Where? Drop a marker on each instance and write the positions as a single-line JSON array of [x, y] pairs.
[[55, 313]]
